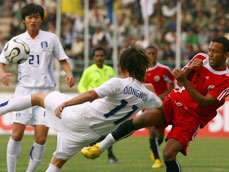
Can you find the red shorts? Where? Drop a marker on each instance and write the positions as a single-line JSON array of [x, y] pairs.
[[184, 125]]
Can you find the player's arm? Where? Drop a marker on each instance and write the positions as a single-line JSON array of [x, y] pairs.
[[82, 98], [149, 86], [69, 79], [199, 98], [4, 76], [195, 63], [163, 95]]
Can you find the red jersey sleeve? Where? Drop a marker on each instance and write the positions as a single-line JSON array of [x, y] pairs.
[[199, 55]]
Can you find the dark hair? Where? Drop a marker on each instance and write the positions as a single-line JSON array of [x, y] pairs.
[[32, 9], [151, 47], [97, 49], [224, 41], [135, 61]]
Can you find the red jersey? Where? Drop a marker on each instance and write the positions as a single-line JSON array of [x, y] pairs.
[[205, 80], [159, 76]]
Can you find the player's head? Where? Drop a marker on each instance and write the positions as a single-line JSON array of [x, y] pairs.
[[218, 52], [32, 15], [134, 61], [99, 55], [151, 52], [32, 8]]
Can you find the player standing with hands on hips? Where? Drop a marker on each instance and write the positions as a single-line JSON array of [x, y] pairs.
[[35, 75], [85, 118], [204, 86]]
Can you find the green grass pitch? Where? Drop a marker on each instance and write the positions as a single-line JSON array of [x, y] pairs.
[[204, 155]]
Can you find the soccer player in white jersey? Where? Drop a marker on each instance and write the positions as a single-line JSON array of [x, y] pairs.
[[35, 75], [85, 118], [204, 86]]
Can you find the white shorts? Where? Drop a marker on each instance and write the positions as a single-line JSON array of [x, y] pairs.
[[73, 130], [31, 116]]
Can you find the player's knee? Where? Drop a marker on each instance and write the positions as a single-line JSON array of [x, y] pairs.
[[16, 136], [169, 155], [40, 140]]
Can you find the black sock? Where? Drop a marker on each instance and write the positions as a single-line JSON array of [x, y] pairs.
[[160, 141], [154, 148], [124, 130], [110, 152], [172, 166]]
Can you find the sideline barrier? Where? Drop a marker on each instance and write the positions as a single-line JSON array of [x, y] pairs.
[[218, 127]]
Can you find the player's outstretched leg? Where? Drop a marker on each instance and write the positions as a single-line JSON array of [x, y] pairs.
[[124, 130], [92, 152], [15, 104]]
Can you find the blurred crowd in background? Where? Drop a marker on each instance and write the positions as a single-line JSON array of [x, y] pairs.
[[202, 20]]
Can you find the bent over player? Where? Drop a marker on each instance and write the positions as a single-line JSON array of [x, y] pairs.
[[204, 87], [84, 118]]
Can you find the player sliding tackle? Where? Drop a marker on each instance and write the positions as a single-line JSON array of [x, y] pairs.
[[205, 85], [84, 118]]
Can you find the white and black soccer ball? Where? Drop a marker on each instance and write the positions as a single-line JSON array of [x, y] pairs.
[[16, 51]]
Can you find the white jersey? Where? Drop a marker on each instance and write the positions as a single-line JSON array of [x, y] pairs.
[[85, 123], [37, 71], [119, 100]]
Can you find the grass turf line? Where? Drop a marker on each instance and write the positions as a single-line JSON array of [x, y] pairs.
[[204, 155]]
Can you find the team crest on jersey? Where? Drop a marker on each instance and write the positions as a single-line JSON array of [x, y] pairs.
[[210, 87], [156, 78], [44, 44]]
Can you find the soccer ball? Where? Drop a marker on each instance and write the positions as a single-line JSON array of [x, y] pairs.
[[16, 51]]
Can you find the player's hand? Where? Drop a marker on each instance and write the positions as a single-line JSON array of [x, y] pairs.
[[179, 75], [69, 79], [59, 110], [5, 78], [196, 63], [150, 87]]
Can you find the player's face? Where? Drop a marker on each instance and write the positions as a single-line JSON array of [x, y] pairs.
[[216, 56], [33, 22], [99, 58], [152, 55]]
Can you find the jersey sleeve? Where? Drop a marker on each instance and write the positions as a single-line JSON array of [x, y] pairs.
[[168, 76], [108, 88], [2, 57], [199, 55], [153, 102], [112, 72], [220, 92], [58, 49], [84, 81]]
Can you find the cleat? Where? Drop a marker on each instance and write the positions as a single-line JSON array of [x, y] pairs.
[[157, 164], [91, 152], [152, 156], [112, 160]]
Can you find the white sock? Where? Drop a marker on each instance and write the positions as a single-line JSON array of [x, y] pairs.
[[107, 142], [16, 104], [36, 155], [53, 168], [13, 152]]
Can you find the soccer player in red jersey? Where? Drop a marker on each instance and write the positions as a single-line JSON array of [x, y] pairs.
[[204, 86], [162, 79]]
